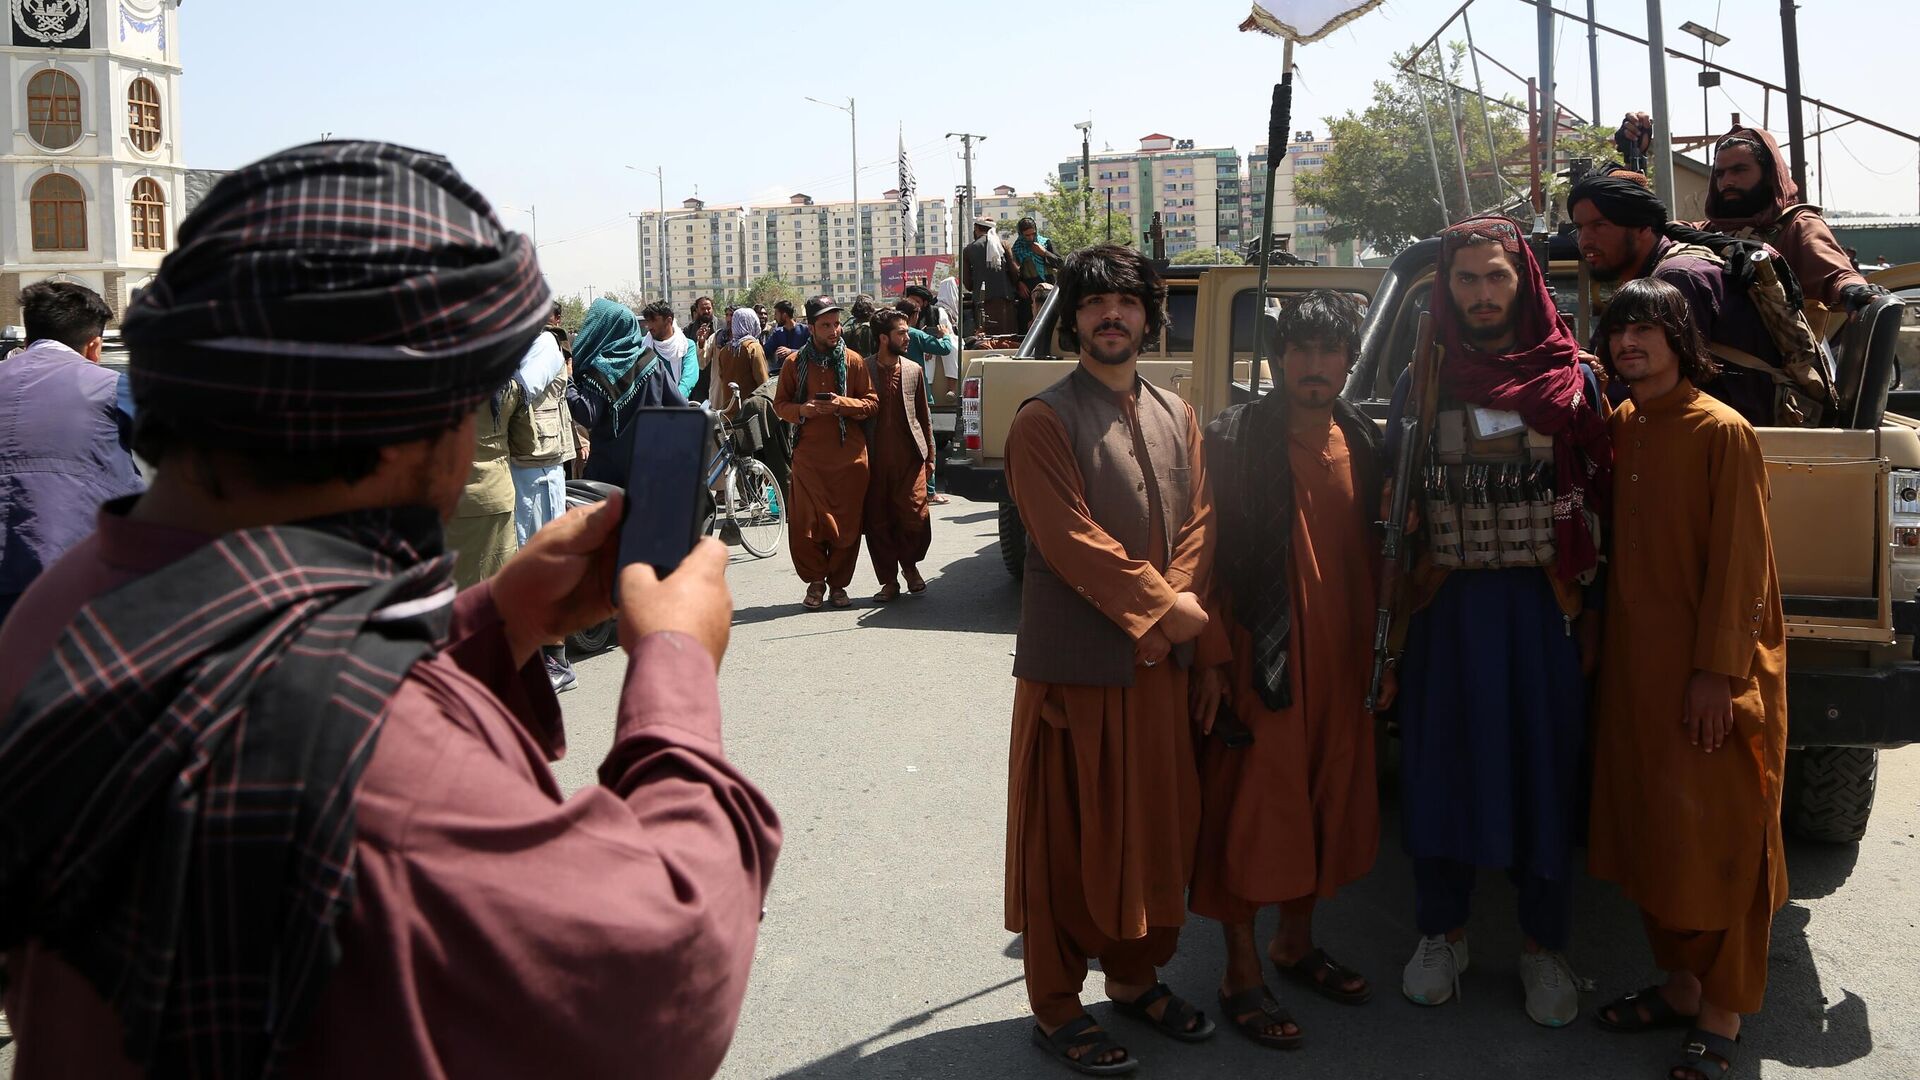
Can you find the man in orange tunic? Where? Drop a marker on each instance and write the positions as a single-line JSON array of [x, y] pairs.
[[1103, 801], [826, 393], [1287, 776], [900, 439], [1690, 735]]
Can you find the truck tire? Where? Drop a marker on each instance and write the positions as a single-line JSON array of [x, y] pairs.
[[1829, 792], [1013, 540]]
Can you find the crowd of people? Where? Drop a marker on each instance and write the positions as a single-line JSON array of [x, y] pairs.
[[276, 728]]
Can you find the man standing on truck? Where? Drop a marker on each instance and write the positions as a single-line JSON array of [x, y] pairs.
[[1750, 197], [1103, 801], [826, 393], [989, 282], [1493, 693], [1690, 727], [900, 441], [1287, 777]]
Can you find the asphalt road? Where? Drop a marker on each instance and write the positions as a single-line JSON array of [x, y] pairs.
[[880, 734]]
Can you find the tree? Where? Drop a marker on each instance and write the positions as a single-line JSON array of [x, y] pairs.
[[1069, 224], [1377, 185], [1208, 256], [573, 312], [766, 289]]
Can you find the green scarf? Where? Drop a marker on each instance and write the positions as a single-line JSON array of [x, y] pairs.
[[837, 360]]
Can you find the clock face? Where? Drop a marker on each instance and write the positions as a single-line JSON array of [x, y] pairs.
[[51, 23]]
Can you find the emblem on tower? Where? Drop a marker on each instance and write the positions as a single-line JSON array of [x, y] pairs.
[[59, 23]]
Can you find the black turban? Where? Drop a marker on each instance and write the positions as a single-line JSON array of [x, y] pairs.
[[1621, 201], [339, 294]]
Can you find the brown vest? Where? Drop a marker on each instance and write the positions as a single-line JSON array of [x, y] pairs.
[[1063, 638]]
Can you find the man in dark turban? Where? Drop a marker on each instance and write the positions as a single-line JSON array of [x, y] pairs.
[[274, 798]]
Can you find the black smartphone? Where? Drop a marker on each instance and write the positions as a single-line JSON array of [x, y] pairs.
[[823, 397], [1228, 728], [667, 481]]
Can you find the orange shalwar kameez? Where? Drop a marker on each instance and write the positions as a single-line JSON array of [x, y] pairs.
[[1693, 838], [1297, 813], [829, 471], [1103, 799]]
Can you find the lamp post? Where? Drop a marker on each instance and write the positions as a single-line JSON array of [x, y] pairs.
[[1086, 165], [1708, 78], [859, 249], [659, 233], [534, 232]]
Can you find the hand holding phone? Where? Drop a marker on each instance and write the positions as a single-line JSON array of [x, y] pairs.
[[666, 486]]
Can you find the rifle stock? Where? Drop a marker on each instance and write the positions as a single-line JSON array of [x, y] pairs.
[[1408, 465]]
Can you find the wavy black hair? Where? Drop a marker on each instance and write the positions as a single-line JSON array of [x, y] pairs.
[[1656, 303], [1109, 268], [1321, 317]]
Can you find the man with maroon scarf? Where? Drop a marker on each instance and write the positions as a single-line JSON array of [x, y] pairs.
[[1493, 700]]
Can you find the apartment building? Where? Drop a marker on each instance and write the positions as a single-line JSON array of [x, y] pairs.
[[1196, 190], [1006, 204], [713, 251], [1305, 227]]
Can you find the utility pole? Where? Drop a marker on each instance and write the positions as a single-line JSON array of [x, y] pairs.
[[1086, 169], [859, 252], [1662, 123], [659, 174], [1549, 112], [1796, 133], [974, 289], [1109, 215], [1593, 62]]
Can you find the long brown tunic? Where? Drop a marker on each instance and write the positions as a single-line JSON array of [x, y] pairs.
[[829, 473], [1690, 836], [898, 528], [1297, 813], [1103, 797]]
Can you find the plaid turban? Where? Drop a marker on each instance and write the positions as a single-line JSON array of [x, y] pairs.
[[339, 294]]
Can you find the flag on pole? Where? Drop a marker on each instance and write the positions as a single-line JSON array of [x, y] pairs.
[[909, 223], [1305, 20]]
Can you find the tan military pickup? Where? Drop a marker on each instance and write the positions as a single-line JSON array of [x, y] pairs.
[[1845, 508]]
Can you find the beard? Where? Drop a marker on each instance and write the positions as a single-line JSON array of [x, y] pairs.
[[1311, 395], [1113, 355], [1490, 332], [1741, 204]]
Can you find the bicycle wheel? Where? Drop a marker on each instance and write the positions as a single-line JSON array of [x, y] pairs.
[[756, 507]]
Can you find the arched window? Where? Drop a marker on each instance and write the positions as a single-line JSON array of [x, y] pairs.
[[53, 109], [59, 214], [149, 216], [143, 114]]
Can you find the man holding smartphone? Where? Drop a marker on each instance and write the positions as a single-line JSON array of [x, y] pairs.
[[281, 795], [1103, 800], [1287, 780], [825, 392]]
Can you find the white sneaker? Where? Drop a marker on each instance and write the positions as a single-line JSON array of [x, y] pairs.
[[1433, 975], [1553, 992]]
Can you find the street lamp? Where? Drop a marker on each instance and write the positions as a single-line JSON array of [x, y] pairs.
[[534, 233], [1707, 78], [859, 249], [1086, 178], [659, 234]]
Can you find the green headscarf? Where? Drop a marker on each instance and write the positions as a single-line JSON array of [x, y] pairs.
[[836, 359], [608, 357]]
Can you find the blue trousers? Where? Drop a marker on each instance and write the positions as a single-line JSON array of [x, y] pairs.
[[1443, 894]]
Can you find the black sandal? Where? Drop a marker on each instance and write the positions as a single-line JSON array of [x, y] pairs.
[[1627, 1012], [1253, 1011], [1079, 1034], [1174, 1021], [1307, 972], [1705, 1053]]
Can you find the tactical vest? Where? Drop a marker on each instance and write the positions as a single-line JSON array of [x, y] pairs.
[[1488, 492]]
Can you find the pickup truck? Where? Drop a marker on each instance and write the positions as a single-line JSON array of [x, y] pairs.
[[1845, 506]]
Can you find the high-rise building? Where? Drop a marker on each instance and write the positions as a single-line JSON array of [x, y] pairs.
[[1304, 227], [94, 168], [1005, 204], [1195, 189], [712, 251]]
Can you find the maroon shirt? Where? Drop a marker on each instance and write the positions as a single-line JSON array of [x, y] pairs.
[[496, 929]]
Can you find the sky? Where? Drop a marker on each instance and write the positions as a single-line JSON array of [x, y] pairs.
[[543, 106]]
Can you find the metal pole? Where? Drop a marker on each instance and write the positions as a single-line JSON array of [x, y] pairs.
[[1433, 154], [1549, 113], [1706, 110], [1279, 119], [1593, 60], [1086, 175], [1796, 134], [1486, 118], [1459, 147], [1109, 215], [660, 236], [1662, 123], [1535, 196], [859, 252]]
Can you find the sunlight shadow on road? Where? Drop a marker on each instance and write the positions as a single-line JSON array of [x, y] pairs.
[[981, 1050]]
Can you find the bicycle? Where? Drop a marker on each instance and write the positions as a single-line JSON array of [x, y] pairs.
[[746, 495]]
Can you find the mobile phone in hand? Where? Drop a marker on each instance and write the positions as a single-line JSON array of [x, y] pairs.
[[823, 398], [1229, 729], [666, 487]]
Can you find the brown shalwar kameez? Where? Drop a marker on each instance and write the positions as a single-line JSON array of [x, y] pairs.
[[1103, 799], [1296, 814], [896, 522], [1693, 838], [829, 472]]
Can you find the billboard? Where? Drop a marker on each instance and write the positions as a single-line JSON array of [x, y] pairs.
[[899, 271]]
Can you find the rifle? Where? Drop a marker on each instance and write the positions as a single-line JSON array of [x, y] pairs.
[[1409, 466]]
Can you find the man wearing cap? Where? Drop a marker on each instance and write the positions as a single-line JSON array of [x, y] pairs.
[[1624, 234], [989, 280], [276, 799], [825, 391]]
